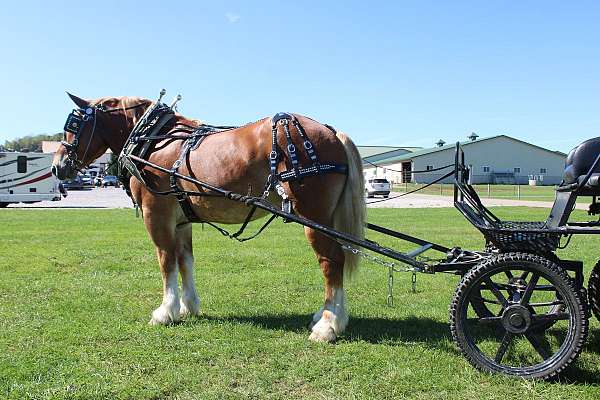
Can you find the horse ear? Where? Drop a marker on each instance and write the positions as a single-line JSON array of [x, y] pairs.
[[81, 103]]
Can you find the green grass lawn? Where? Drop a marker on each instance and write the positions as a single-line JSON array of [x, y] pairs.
[[77, 288], [523, 192]]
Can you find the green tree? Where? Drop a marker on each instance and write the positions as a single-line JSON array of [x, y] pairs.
[[112, 168], [31, 143]]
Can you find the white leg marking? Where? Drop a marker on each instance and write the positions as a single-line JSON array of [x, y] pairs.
[[333, 320], [190, 302], [316, 317], [168, 312]]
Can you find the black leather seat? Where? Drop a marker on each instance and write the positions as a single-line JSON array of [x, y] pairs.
[[578, 164], [593, 182]]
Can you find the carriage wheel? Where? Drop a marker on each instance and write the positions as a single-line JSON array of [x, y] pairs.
[[594, 290], [479, 304], [526, 335]]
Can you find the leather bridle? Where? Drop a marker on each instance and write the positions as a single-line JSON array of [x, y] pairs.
[[75, 124]]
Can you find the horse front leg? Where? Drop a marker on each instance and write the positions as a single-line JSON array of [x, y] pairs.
[[164, 237], [168, 311], [190, 302], [331, 320]]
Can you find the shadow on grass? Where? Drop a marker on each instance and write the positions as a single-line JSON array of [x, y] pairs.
[[367, 329], [397, 332], [576, 375], [593, 341]]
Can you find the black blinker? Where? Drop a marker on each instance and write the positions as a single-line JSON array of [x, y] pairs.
[[74, 124]]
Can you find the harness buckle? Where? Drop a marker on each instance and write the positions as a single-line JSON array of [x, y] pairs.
[[291, 148], [308, 145], [273, 155]]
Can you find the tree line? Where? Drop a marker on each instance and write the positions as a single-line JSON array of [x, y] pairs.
[[32, 143]]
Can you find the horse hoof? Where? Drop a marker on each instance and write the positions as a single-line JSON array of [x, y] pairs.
[[327, 336], [185, 311], [154, 322], [161, 317]]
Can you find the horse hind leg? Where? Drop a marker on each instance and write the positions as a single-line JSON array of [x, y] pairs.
[[331, 320], [190, 302]]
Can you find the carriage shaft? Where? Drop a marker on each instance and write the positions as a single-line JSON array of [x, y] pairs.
[[266, 206]]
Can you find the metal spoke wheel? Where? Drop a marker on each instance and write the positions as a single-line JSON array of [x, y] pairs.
[[594, 290], [535, 324], [480, 303]]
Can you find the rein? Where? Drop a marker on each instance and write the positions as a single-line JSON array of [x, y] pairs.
[[411, 171], [449, 174]]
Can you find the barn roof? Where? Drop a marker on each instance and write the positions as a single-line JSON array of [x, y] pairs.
[[370, 151], [422, 152]]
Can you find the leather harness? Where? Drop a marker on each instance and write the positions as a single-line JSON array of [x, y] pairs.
[[159, 116]]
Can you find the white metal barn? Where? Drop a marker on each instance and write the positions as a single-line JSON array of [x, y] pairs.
[[498, 159]]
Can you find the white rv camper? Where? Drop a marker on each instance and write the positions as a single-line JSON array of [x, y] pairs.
[[26, 177]]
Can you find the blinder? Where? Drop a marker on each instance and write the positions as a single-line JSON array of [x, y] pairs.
[[75, 124]]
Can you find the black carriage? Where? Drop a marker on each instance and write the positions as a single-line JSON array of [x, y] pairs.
[[519, 309], [523, 294]]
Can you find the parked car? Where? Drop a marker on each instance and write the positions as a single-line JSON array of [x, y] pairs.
[[377, 186], [87, 180], [73, 184], [110, 180]]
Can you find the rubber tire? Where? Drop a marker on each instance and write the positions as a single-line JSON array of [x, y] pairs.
[[594, 290], [482, 311], [4, 205], [542, 371]]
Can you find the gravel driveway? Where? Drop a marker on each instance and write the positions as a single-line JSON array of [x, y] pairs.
[[431, 201], [109, 197], [116, 198]]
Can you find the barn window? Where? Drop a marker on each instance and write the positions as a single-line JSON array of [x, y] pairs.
[[429, 167], [517, 170], [543, 171], [21, 164], [486, 168]]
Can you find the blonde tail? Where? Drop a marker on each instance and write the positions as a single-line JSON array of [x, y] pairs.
[[350, 213]]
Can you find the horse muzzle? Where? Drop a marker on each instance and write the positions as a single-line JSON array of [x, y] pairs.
[[62, 170]]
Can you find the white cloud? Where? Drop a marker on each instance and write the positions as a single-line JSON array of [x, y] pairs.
[[232, 18]]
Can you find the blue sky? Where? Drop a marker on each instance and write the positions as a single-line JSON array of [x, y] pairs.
[[387, 73]]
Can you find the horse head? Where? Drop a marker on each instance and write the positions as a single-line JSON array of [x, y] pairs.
[[92, 128]]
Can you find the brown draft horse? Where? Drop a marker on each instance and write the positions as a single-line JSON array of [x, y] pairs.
[[236, 160]]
